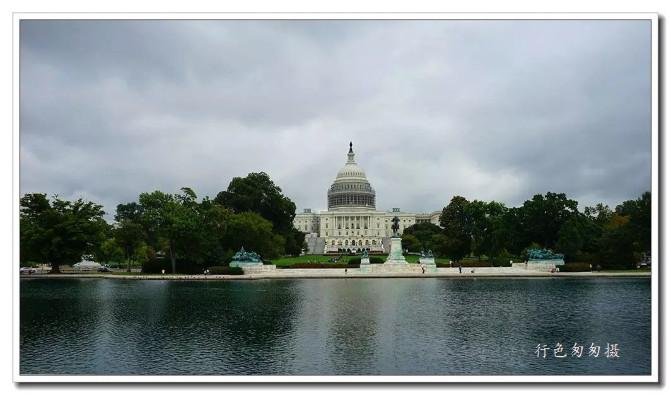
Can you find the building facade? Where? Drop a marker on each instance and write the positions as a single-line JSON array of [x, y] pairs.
[[352, 221]]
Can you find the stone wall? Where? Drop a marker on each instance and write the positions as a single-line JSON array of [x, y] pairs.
[[538, 266], [258, 269]]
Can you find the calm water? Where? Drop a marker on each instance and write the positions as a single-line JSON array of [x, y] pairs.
[[332, 326]]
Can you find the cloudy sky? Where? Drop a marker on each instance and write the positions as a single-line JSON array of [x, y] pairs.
[[490, 110]]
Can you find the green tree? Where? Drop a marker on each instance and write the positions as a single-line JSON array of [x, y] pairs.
[[171, 221], [179, 226], [214, 220], [639, 226], [128, 211], [439, 243], [488, 242], [616, 245], [109, 250], [477, 226], [295, 242], [255, 233], [481, 226], [600, 214], [130, 237], [571, 238], [410, 242], [424, 232], [258, 193], [59, 231], [456, 225], [543, 216], [625, 233], [507, 232]]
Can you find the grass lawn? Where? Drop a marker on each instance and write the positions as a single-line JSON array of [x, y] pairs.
[[287, 261]]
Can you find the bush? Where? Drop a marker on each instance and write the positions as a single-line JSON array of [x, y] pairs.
[[154, 266], [503, 260], [373, 259], [575, 267], [226, 270], [587, 257]]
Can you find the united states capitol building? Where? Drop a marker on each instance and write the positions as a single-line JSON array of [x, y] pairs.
[[352, 221]]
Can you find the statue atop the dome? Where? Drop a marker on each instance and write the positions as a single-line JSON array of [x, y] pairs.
[[350, 148], [395, 226]]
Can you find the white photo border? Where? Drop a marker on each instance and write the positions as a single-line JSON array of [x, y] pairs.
[[655, 275]]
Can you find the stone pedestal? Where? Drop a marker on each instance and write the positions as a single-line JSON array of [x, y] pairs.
[[395, 253], [427, 261], [245, 264], [258, 269], [543, 265], [365, 261], [429, 264]]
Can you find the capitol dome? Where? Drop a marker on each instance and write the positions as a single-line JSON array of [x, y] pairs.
[[351, 188]]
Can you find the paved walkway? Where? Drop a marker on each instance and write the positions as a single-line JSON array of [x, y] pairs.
[[413, 271]]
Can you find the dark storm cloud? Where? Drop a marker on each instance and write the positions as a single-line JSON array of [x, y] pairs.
[[485, 109]]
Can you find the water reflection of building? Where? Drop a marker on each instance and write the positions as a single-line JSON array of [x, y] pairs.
[[352, 221]]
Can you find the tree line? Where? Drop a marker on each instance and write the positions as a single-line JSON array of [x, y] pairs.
[[179, 228], [600, 235], [190, 233]]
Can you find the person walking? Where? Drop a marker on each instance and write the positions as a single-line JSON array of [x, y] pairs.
[[460, 268]]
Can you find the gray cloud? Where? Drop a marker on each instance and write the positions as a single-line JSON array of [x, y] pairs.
[[491, 110]]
